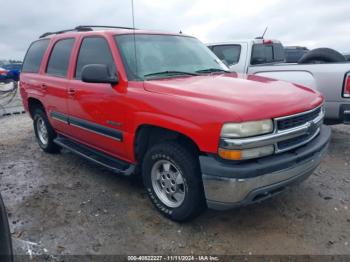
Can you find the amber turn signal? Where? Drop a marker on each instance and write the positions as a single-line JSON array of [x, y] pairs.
[[243, 154], [230, 154]]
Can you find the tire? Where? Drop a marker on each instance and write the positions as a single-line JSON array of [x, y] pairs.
[[45, 142], [5, 235], [321, 55], [175, 162]]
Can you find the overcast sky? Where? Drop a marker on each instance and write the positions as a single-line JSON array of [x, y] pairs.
[[311, 23]]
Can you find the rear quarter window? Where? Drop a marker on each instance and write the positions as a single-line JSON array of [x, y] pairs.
[[34, 56]]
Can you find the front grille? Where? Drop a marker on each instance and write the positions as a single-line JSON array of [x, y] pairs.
[[298, 120], [293, 141], [309, 122]]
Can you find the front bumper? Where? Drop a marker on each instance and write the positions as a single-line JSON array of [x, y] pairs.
[[228, 185]]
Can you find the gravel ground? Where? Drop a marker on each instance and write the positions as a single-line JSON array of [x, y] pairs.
[[62, 204]]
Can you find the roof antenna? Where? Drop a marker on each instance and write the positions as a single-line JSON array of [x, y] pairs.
[[262, 37], [133, 25]]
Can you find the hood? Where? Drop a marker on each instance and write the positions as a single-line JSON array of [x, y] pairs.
[[246, 96]]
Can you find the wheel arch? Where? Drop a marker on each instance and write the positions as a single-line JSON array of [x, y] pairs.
[[147, 135], [34, 103]]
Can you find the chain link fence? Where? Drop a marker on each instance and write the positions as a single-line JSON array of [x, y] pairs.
[[10, 99]]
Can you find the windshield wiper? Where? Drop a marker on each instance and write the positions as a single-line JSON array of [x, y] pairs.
[[168, 72], [212, 70]]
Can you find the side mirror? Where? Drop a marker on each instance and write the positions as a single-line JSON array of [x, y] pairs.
[[98, 73]]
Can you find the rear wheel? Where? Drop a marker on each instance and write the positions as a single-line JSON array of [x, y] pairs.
[[44, 132], [172, 178]]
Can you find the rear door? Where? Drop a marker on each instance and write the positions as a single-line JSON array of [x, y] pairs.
[[96, 114], [55, 84]]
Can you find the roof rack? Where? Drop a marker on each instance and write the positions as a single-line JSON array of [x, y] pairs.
[[104, 26], [84, 28]]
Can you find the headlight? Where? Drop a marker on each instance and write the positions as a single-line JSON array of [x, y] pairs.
[[247, 129], [232, 131]]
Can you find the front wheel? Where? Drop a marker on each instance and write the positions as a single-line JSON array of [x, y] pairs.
[[172, 178]]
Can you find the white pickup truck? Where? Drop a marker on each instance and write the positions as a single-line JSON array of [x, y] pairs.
[[266, 58]]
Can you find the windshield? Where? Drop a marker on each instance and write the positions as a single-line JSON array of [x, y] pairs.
[[160, 56]]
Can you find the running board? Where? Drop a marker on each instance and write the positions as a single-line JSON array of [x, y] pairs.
[[116, 165]]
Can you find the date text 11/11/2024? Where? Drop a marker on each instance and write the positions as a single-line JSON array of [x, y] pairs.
[[173, 258]]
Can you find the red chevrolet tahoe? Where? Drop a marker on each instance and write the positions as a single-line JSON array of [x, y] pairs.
[[163, 106]]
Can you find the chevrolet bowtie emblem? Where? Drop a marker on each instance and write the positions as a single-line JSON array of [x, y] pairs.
[[312, 128]]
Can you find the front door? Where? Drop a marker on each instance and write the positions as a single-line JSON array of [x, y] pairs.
[[96, 114]]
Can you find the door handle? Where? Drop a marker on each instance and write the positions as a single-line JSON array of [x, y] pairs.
[[71, 91], [43, 86]]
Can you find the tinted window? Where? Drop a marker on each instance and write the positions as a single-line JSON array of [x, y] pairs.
[[262, 54], [266, 53], [94, 50], [278, 52], [59, 59], [293, 55], [228, 53], [34, 55]]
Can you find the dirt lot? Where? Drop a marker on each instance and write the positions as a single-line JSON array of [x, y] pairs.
[[61, 204]]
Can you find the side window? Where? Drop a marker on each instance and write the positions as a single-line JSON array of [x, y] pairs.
[[59, 59], [228, 53], [262, 54], [94, 50], [266, 53], [34, 56], [278, 52]]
